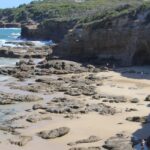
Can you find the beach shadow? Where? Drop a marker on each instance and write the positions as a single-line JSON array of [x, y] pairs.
[[135, 72], [143, 133]]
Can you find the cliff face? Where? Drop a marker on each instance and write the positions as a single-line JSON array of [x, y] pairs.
[[122, 40], [49, 30]]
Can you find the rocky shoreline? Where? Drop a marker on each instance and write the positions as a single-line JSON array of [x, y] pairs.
[[79, 95], [9, 25], [73, 106]]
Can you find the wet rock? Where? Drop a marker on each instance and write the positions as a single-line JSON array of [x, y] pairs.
[[59, 132], [22, 141], [91, 139], [118, 142]]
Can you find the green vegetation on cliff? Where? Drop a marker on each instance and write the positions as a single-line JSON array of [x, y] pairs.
[[88, 10]]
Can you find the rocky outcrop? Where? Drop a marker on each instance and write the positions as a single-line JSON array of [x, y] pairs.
[[48, 30], [52, 134], [25, 52], [9, 25], [118, 142], [121, 40]]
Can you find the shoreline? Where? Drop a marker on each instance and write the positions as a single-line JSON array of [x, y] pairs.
[[81, 126]]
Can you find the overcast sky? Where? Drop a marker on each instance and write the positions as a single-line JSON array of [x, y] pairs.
[[12, 3]]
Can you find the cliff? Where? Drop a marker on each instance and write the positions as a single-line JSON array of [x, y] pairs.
[[121, 40], [49, 29]]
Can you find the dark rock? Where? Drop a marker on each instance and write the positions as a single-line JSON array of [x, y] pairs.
[[135, 100], [36, 118], [52, 29], [8, 98], [138, 119], [101, 109], [119, 142], [37, 106], [148, 142], [91, 139], [54, 133], [147, 98], [22, 141], [83, 148]]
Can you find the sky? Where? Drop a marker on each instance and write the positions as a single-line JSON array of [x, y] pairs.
[[12, 3]]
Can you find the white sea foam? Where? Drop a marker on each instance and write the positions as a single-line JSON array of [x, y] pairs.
[[9, 37]]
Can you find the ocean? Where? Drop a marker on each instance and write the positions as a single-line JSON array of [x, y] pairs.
[[8, 35]]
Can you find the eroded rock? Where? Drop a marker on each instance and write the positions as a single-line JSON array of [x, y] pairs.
[[59, 132]]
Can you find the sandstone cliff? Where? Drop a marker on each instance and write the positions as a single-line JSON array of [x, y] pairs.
[[120, 40]]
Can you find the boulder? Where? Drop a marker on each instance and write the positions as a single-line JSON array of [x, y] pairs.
[[59, 132]]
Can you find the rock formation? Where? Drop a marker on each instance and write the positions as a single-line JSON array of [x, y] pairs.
[[50, 29], [120, 40]]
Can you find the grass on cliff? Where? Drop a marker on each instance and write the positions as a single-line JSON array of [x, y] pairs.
[[69, 9]]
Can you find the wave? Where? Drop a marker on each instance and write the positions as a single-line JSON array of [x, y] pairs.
[[10, 29], [9, 37], [15, 34]]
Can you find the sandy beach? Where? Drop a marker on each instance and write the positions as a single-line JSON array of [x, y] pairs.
[[130, 83]]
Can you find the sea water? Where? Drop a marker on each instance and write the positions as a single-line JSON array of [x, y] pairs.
[[8, 35]]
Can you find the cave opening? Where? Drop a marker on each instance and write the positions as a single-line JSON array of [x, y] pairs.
[[141, 57]]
